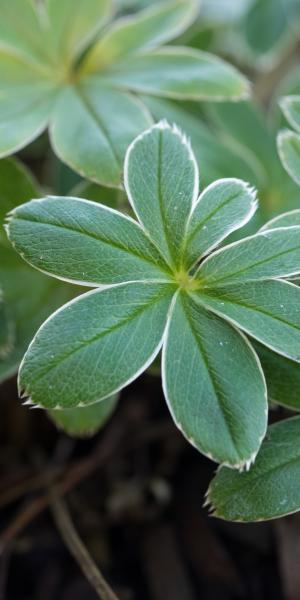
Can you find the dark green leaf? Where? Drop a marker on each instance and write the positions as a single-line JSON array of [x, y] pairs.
[[270, 489]]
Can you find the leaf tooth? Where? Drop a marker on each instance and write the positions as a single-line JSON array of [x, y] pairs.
[[23, 393], [28, 402]]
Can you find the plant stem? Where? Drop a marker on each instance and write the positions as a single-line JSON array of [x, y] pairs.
[[77, 548]]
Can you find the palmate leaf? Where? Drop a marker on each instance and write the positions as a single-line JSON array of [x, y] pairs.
[[162, 182], [84, 422], [110, 337], [223, 207], [47, 76], [271, 488], [149, 28], [83, 242], [214, 385], [266, 255], [266, 310]]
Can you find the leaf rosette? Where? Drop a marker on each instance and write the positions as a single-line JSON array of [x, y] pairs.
[[162, 282]]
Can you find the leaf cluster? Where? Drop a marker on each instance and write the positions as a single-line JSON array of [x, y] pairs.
[[161, 283]]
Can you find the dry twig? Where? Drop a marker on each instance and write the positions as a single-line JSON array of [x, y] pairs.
[[77, 548]]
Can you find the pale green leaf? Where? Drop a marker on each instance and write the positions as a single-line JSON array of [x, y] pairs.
[[84, 242], [84, 422], [147, 29], [288, 219], [161, 181], [222, 208], [288, 144], [266, 310], [282, 377], [109, 337], [266, 255], [180, 73], [271, 488], [105, 121], [74, 25], [214, 385], [26, 101]]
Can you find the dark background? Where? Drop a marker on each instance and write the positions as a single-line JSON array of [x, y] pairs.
[[135, 494]]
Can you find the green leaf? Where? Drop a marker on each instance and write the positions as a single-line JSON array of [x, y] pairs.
[[288, 144], [161, 180], [16, 185], [26, 100], [214, 385], [74, 26], [84, 242], [282, 377], [266, 310], [288, 219], [109, 337], [179, 73], [270, 489], [147, 29], [105, 121], [290, 106], [84, 422], [266, 255], [222, 208]]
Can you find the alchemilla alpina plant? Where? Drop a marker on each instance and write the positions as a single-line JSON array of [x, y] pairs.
[[161, 284]]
